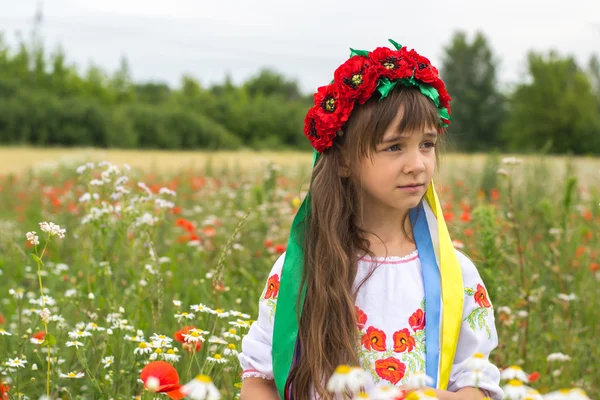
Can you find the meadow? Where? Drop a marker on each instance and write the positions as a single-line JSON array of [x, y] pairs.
[[165, 255]]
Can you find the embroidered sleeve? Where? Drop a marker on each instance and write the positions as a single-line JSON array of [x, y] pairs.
[[256, 355], [477, 335]]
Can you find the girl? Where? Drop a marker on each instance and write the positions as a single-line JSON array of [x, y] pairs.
[[370, 276]]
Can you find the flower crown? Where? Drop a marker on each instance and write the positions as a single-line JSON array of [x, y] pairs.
[[359, 77]]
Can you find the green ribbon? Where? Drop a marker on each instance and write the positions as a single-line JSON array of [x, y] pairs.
[[285, 326]]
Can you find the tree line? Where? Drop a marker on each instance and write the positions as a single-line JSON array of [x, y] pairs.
[[45, 101]]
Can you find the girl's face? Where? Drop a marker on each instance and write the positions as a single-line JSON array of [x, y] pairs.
[[400, 171]]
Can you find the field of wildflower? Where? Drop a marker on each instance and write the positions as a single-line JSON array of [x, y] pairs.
[[119, 283]]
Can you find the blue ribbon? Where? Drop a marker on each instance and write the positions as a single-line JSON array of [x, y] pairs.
[[431, 284]]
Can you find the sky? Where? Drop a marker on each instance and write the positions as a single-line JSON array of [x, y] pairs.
[[304, 40]]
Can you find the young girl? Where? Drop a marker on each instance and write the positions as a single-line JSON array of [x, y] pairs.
[[370, 277]]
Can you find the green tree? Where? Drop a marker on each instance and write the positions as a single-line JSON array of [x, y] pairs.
[[556, 107], [478, 108]]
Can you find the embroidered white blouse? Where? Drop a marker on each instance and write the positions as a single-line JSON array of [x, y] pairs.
[[391, 325]]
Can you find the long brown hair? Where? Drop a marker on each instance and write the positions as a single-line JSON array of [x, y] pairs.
[[333, 239]]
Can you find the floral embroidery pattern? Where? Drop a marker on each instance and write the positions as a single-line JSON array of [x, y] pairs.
[[391, 369], [403, 341], [361, 318], [405, 356], [417, 320], [477, 319], [270, 293], [272, 287], [374, 339]]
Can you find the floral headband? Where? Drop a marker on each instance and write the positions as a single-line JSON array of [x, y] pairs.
[[357, 79]]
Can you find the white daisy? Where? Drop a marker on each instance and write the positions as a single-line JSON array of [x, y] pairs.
[[75, 343], [171, 355], [567, 394], [107, 361], [16, 363], [143, 348], [217, 358], [515, 390], [94, 327], [386, 392], [231, 350], [241, 324], [4, 333], [514, 372], [346, 378], [217, 340], [201, 308], [201, 388], [239, 314], [477, 362], [36, 340], [231, 334], [220, 313], [183, 315], [72, 375], [78, 334]]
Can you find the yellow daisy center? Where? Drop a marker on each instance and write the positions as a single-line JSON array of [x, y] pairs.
[[343, 370], [515, 382], [203, 378], [217, 357], [231, 346]]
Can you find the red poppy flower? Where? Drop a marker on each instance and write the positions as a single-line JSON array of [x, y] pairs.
[[279, 248], [319, 137], [465, 216], [4, 391], [403, 341], [374, 339], [39, 335], [392, 64], [178, 336], [332, 107], [167, 376], [534, 377], [357, 78], [361, 318], [481, 297], [1, 319], [390, 369], [272, 287], [268, 243], [417, 320]]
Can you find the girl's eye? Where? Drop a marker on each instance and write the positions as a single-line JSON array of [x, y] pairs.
[[429, 145], [393, 148]]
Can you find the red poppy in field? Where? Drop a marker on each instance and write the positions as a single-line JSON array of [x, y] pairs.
[[178, 336], [403, 341], [361, 318], [468, 232], [279, 248], [1, 319], [163, 378], [185, 224], [39, 335], [417, 320], [374, 339], [209, 231], [268, 243], [594, 267], [272, 287], [534, 376], [4, 391], [481, 297], [390, 369], [580, 250], [465, 216], [495, 194], [448, 216]]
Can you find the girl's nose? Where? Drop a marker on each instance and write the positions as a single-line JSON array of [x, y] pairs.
[[414, 163]]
